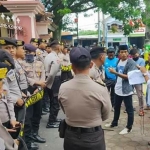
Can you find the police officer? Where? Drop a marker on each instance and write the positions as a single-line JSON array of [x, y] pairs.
[[66, 66], [36, 76], [34, 42], [98, 58], [85, 103], [48, 48], [8, 141], [40, 52], [7, 114], [53, 81], [10, 46]]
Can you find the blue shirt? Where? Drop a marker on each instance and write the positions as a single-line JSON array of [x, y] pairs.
[[110, 63], [140, 62]]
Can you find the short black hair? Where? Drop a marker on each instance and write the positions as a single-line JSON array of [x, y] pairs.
[[133, 51], [82, 63], [96, 52]]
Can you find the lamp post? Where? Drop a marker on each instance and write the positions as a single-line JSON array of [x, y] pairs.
[[99, 28], [76, 21]]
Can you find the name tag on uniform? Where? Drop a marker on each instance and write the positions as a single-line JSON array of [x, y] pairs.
[[11, 75]]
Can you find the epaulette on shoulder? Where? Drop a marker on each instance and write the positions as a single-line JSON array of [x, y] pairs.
[[101, 83]]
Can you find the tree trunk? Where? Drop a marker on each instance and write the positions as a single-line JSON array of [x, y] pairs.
[[57, 34], [58, 21]]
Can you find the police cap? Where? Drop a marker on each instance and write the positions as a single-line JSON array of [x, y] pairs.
[[55, 42], [7, 41], [6, 59], [35, 40], [96, 51], [30, 47], [77, 52], [42, 40], [18, 42]]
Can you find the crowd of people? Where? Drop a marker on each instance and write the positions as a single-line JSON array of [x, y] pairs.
[[69, 78]]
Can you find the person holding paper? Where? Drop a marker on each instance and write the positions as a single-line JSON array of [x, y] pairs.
[[147, 79], [147, 66], [123, 90], [138, 87]]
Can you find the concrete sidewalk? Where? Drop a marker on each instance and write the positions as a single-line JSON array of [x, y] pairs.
[[132, 141]]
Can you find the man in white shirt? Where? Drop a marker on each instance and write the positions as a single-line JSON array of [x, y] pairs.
[[123, 90]]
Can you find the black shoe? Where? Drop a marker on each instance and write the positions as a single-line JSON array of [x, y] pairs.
[[37, 138], [44, 113], [33, 146], [46, 110], [58, 120], [53, 125]]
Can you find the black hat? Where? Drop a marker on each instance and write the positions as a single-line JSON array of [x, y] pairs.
[[96, 51], [110, 50], [18, 42], [35, 40], [77, 52], [7, 41], [123, 47], [55, 42], [6, 59], [30, 47], [42, 40]]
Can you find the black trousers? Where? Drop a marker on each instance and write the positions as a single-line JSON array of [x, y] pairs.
[[14, 135], [84, 141], [45, 100], [54, 104], [129, 109], [111, 89], [32, 119], [66, 75]]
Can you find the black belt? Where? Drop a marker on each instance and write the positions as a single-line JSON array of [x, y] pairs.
[[84, 130]]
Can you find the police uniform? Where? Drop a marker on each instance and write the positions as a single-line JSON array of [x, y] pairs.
[[41, 54], [6, 103], [15, 91], [95, 73], [66, 68], [86, 104], [7, 113], [53, 81], [34, 72], [8, 141]]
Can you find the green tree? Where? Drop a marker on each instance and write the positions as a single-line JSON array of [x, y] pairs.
[[120, 9]]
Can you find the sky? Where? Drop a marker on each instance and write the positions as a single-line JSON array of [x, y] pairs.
[[88, 23]]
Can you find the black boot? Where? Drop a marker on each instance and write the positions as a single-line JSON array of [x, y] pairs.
[[32, 146], [37, 138], [53, 125]]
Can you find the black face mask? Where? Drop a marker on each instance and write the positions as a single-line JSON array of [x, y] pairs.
[[29, 58], [136, 58]]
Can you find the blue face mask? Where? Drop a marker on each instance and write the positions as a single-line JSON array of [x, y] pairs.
[[29, 58]]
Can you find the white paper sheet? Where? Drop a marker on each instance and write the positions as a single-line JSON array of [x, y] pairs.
[[135, 77]]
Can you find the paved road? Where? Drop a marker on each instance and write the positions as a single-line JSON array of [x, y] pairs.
[[133, 141]]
